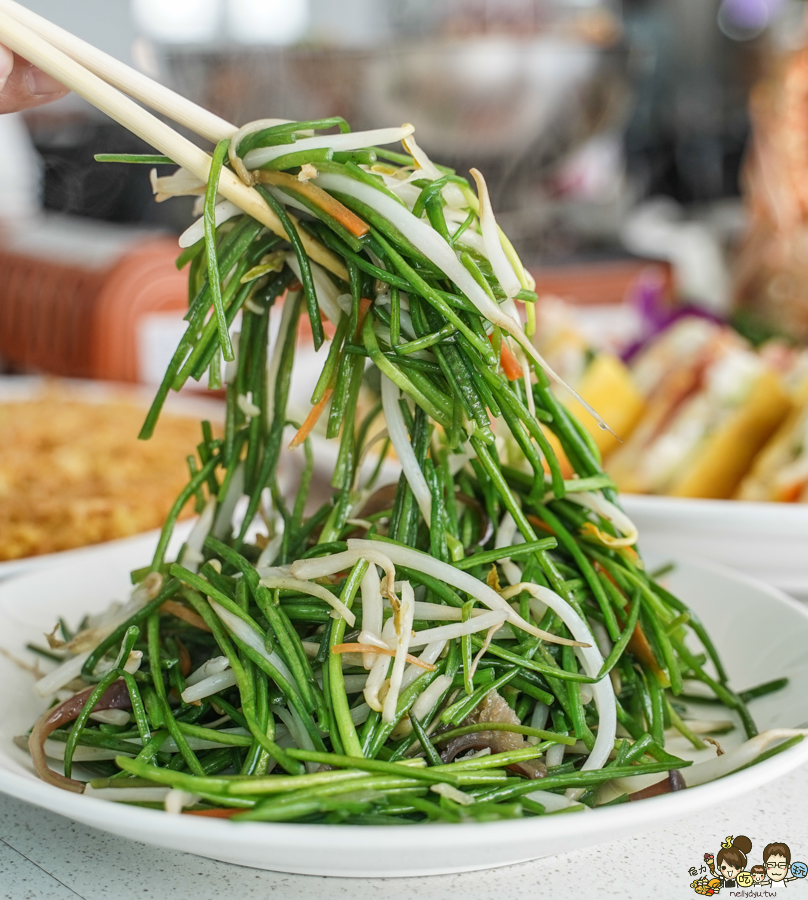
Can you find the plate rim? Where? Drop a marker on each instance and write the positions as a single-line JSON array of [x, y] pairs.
[[151, 826]]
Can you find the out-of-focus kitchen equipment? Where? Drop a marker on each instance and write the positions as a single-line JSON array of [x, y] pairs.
[[513, 88]]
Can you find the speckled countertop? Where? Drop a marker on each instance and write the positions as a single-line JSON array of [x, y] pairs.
[[46, 857]]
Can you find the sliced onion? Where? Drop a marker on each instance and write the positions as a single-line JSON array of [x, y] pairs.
[[503, 270], [224, 518], [116, 614], [339, 562], [729, 761], [207, 687], [484, 649], [352, 140], [274, 358], [437, 612], [427, 699], [176, 800], [247, 635], [269, 553], [111, 716], [212, 666], [403, 618], [457, 629], [428, 657], [297, 729], [250, 128], [422, 562], [452, 793], [245, 404], [538, 719], [607, 510], [63, 674], [555, 755], [359, 714], [378, 672], [473, 241], [372, 611], [592, 662], [506, 536], [288, 583], [550, 801], [179, 184], [400, 440], [422, 235], [427, 169], [56, 750], [192, 556], [223, 211]]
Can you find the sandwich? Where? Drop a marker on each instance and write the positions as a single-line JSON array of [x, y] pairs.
[[780, 471], [602, 379], [712, 403]]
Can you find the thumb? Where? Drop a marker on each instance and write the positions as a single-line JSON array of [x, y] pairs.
[[6, 65]]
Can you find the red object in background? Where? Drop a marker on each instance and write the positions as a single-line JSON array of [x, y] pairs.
[[81, 322], [590, 283]]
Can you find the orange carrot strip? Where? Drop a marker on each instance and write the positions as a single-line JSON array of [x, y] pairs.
[[536, 522], [324, 200], [187, 615], [184, 658], [372, 648], [311, 419], [364, 306], [638, 643]]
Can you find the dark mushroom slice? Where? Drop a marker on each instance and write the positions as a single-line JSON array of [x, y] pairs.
[[116, 696]]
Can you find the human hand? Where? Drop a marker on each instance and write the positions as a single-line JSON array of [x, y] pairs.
[[23, 86]]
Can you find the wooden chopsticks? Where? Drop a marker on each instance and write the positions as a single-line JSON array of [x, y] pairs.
[[24, 33], [157, 96]]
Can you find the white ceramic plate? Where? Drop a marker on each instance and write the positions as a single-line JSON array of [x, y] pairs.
[[761, 633], [765, 540]]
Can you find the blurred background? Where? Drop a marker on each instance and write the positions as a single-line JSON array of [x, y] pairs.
[[615, 135]]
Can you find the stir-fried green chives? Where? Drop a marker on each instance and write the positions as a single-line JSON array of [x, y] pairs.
[[257, 668]]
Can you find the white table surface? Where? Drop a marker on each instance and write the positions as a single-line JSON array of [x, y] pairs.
[[46, 857]]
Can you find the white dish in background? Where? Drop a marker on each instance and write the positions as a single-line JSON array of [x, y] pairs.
[[764, 540], [761, 633]]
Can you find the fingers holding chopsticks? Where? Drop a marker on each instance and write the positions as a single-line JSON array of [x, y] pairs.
[[23, 86]]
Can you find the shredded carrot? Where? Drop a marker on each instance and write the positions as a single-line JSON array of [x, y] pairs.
[[640, 647], [364, 306], [187, 615], [510, 364], [184, 657], [372, 648], [638, 643], [213, 813], [349, 220], [311, 419], [536, 522]]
